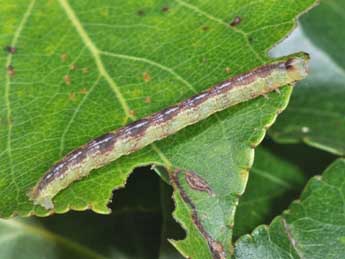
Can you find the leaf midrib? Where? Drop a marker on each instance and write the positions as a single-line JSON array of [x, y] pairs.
[[96, 53]]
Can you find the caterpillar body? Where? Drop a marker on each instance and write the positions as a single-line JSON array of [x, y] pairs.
[[109, 147]]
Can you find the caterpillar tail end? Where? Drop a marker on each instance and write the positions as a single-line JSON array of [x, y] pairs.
[[42, 200]]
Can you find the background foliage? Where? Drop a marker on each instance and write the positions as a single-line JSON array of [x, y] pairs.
[[105, 66]]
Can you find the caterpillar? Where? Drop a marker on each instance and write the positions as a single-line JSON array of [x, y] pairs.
[[136, 135]]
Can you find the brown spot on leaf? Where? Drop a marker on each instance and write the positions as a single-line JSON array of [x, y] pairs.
[[11, 71], [64, 57], [83, 91], [140, 12], [215, 247], [205, 28], [244, 175], [146, 77], [85, 70], [67, 79], [148, 99], [235, 21], [197, 183], [132, 112], [72, 96], [10, 49], [231, 226], [227, 70], [165, 9], [73, 67]]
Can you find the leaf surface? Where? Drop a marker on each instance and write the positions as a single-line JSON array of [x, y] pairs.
[[273, 183], [84, 68], [313, 227]]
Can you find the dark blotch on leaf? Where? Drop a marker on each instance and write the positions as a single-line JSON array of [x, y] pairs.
[[11, 71], [197, 183], [10, 49], [235, 21], [205, 28], [141, 13], [165, 9]]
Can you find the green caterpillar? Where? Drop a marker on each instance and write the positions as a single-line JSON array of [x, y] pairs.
[[136, 135]]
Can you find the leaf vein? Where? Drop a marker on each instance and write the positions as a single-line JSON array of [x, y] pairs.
[[8, 86], [293, 241], [164, 68], [76, 111], [96, 55], [220, 21], [153, 63]]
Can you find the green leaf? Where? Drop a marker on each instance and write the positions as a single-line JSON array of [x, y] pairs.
[[28, 239], [169, 229], [106, 64], [316, 113], [126, 234], [313, 227], [133, 230], [272, 183], [265, 196]]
